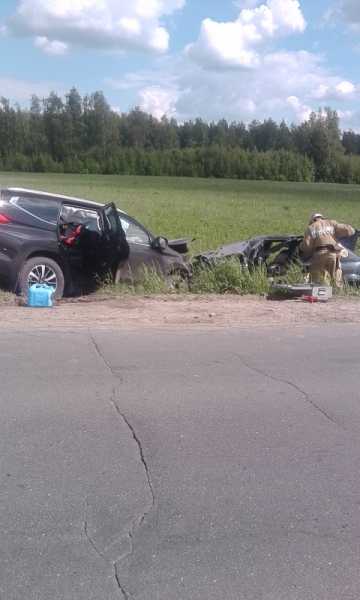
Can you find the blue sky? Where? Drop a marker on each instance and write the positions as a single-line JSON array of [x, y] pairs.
[[242, 60]]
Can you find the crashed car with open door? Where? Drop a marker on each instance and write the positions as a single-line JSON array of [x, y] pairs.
[[57, 240]]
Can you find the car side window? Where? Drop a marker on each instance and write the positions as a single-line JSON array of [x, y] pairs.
[[80, 216], [42, 209], [134, 233]]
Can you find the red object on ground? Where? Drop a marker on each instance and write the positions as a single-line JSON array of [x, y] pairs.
[[310, 299]]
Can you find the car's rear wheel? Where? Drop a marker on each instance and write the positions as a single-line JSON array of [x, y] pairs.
[[41, 269]]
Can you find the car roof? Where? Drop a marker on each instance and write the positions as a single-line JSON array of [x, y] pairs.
[[83, 201]]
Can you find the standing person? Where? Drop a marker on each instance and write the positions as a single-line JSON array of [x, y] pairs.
[[321, 245]]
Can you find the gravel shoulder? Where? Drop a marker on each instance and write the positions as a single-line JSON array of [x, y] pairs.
[[177, 312]]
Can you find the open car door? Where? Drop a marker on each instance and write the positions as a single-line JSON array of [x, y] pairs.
[[111, 247]]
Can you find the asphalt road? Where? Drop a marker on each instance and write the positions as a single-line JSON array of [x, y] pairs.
[[217, 465]]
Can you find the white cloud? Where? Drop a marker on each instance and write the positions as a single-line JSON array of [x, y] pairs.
[[236, 43], [301, 111], [158, 101], [20, 91], [114, 24], [345, 88], [285, 85], [209, 80], [350, 119], [50, 47], [246, 3], [335, 89]]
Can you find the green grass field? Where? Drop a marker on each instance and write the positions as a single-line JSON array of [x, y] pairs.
[[211, 210]]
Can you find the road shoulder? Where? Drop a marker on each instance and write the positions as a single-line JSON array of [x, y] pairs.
[[176, 312]]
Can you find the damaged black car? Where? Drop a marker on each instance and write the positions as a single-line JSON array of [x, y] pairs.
[[277, 253], [70, 243]]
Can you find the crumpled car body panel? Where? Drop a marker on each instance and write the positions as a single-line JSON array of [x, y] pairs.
[[180, 245], [278, 252], [253, 251]]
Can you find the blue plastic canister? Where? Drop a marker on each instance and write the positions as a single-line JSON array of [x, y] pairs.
[[40, 294]]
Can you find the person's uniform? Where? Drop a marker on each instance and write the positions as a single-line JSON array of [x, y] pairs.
[[321, 244]]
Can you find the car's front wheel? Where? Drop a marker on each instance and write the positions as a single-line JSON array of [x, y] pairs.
[[41, 269]]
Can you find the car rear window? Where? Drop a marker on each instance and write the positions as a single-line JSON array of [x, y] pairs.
[[41, 209]]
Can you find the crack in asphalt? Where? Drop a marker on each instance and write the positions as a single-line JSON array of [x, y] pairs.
[[118, 581], [141, 452], [86, 533], [108, 365], [305, 395], [97, 551], [137, 524]]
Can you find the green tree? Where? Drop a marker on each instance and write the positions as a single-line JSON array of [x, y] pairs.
[[320, 139], [53, 118]]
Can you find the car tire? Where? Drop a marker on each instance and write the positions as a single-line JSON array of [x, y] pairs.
[[32, 271]]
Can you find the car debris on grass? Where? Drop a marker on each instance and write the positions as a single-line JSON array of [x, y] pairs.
[[277, 254]]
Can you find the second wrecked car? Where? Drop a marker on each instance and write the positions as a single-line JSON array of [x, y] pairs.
[[277, 253]]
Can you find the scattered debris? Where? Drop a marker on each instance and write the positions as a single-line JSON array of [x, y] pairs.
[[306, 291]]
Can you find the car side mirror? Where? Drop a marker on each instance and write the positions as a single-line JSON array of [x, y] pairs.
[[160, 243]]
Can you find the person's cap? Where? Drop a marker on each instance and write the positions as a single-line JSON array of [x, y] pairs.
[[316, 216]]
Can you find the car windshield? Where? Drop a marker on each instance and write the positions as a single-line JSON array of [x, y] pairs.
[[134, 232]]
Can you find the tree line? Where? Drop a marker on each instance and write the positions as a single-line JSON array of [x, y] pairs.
[[78, 134]]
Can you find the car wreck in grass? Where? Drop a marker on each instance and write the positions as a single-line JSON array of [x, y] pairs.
[[69, 243], [278, 253]]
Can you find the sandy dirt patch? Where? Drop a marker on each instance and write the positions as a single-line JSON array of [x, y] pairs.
[[178, 312]]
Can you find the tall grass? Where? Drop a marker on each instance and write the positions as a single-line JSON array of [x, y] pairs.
[[224, 276], [294, 274], [147, 282], [347, 291], [228, 276]]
